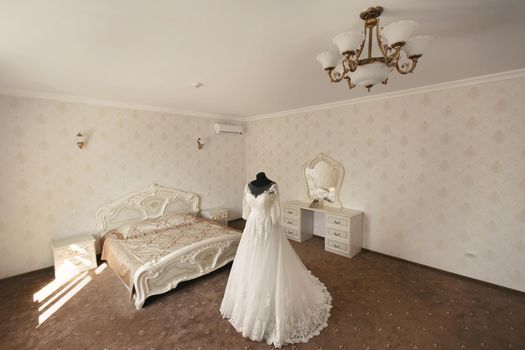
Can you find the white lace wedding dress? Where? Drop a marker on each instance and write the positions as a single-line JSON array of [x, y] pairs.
[[270, 294]]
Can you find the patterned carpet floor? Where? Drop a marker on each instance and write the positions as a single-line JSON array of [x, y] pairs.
[[378, 303]]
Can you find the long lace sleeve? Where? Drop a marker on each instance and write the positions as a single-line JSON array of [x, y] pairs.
[[276, 205], [245, 206]]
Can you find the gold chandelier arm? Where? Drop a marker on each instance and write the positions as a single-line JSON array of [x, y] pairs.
[[335, 77], [393, 59], [361, 47], [408, 67], [370, 29], [379, 42], [346, 63], [350, 84], [349, 63]]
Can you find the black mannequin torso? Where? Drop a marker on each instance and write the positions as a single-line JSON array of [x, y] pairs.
[[260, 184]]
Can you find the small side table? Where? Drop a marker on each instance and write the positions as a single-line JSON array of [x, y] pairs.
[[216, 214], [73, 255]]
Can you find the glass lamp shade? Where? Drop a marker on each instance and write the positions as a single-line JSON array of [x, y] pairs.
[[398, 32], [415, 46], [348, 41], [370, 74], [328, 59]]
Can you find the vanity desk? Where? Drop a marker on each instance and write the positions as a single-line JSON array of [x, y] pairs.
[[341, 227]]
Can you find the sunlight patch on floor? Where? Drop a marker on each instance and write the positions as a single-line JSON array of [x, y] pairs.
[[49, 289], [62, 291], [65, 286], [101, 268], [64, 299]]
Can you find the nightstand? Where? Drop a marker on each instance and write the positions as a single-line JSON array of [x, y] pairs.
[[73, 255], [216, 214]]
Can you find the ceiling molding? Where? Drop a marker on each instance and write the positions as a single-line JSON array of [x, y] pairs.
[[116, 104], [518, 73]]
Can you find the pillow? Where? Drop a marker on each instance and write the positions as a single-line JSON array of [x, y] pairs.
[[176, 219], [131, 230]]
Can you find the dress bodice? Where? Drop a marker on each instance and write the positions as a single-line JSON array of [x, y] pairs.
[[265, 205]]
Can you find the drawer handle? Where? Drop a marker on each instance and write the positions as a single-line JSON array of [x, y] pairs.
[[337, 233], [337, 222], [336, 245], [290, 222], [290, 211]]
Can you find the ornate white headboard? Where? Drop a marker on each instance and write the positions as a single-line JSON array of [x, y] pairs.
[[152, 202]]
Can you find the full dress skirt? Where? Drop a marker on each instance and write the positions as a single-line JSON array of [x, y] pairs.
[[270, 294]]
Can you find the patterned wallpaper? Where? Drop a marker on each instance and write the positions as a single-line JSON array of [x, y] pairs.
[[51, 189], [437, 174]]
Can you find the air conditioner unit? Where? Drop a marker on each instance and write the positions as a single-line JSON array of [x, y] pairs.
[[228, 129]]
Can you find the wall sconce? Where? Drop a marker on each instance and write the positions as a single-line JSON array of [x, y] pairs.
[[200, 143], [81, 140]]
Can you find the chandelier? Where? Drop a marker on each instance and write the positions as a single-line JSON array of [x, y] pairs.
[[369, 71]]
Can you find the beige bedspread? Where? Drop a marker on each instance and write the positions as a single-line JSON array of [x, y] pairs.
[[126, 254]]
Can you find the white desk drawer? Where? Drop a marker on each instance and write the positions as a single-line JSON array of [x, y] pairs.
[[338, 245], [338, 234], [291, 211], [290, 221], [291, 232], [338, 221]]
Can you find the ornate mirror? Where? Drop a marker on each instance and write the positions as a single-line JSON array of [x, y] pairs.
[[324, 176]]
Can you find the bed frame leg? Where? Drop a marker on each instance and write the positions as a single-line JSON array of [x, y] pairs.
[[139, 303]]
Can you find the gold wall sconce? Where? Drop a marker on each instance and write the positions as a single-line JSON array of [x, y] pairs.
[[200, 143], [81, 140]]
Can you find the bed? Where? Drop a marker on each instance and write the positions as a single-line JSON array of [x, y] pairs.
[[153, 239]]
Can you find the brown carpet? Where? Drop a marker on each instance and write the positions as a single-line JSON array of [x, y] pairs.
[[378, 303]]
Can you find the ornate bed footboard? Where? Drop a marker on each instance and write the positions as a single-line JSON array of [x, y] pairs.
[[182, 265]]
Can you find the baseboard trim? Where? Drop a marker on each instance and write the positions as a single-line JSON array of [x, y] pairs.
[[27, 273], [52, 267]]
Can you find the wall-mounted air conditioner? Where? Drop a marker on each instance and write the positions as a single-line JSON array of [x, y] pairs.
[[228, 129]]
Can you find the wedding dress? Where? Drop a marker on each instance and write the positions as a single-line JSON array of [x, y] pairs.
[[270, 294]]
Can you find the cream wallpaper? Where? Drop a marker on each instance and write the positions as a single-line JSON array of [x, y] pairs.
[[438, 175], [51, 188]]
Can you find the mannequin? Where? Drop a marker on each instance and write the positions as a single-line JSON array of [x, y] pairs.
[[260, 184]]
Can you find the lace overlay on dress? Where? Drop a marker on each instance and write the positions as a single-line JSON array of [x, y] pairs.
[[270, 294]]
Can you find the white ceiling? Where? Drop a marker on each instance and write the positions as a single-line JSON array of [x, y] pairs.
[[253, 57]]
